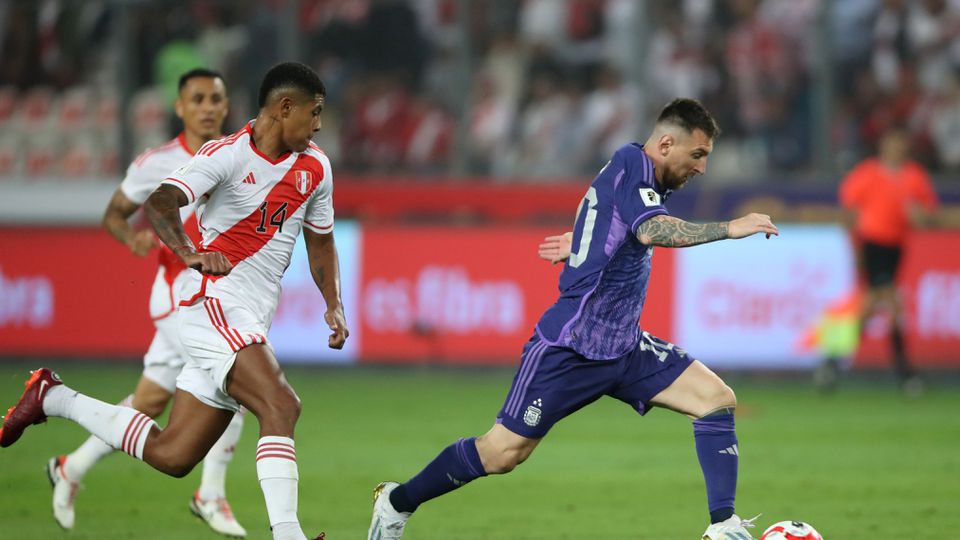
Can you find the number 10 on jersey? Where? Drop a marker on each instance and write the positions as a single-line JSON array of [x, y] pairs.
[[589, 202]]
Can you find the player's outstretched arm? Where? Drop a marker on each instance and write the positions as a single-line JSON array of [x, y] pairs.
[[668, 231], [556, 248], [115, 221], [162, 208], [325, 269]]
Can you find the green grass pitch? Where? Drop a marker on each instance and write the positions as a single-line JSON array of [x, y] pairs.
[[863, 464]]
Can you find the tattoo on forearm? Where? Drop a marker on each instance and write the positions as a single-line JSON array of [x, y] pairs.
[[669, 231], [164, 214]]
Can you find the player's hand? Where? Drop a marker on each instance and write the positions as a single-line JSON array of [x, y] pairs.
[[141, 242], [751, 224], [211, 263], [556, 248], [338, 325]]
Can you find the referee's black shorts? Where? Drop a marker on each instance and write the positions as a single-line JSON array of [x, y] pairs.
[[880, 263]]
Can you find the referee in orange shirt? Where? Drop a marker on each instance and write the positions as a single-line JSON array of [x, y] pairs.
[[890, 195]]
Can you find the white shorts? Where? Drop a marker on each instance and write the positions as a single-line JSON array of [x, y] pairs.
[[165, 357], [211, 334]]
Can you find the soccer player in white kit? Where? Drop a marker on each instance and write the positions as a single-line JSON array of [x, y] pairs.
[[202, 105], [264, 184]]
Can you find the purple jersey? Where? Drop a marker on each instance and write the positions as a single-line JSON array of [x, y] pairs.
[[604, 282]]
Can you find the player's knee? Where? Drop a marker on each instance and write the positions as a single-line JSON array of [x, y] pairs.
[[721, 396], [153, 409], [504, 460], [283, 407], [179, 469], [172, 463]]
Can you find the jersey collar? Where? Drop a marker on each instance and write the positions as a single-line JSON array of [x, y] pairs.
[[280, 159]]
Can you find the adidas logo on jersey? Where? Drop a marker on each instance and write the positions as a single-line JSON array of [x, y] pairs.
[[249, 179]]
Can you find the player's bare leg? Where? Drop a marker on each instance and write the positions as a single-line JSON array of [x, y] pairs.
[[697, 392], [501, 450], [193, 429], [257, 383], [703, 396]]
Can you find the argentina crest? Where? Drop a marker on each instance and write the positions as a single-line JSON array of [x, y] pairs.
[[532, 415], [304, 180]]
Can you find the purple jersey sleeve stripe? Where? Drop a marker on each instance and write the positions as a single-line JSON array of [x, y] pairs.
[[646, 167], [646, 215], [619, 177]]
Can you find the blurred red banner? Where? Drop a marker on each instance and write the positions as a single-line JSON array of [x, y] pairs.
[[930, 288], [72, 292], [470, 295]]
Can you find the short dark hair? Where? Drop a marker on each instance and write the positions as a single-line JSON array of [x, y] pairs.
[[197, 72], [291, 75], [689, 114]]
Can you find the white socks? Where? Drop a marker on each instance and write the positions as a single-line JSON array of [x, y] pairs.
[[277, 471], [79, 463], [214, 478], [122, 428]]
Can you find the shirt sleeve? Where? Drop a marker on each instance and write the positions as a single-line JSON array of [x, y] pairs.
[[201, 175], [140, 181], [853, 187], [637, 200], [319, 214], [924, 191]]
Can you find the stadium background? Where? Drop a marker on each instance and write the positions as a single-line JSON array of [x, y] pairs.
[[462, 132]]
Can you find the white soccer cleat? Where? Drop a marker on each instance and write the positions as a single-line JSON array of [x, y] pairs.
[[218, 515], [732, 529], [64, 492], [387, 523]]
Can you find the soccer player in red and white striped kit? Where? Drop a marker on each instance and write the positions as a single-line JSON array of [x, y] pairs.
[[202, 105], [262, 185]]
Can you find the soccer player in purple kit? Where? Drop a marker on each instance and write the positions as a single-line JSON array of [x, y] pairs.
[[588, 344]]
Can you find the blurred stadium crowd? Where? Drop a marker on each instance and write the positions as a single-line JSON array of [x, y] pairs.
[[498, 88]]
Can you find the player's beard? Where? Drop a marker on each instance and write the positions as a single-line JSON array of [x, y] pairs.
[[672, 181]]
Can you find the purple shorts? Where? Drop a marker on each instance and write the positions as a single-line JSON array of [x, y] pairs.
[[555, 382]]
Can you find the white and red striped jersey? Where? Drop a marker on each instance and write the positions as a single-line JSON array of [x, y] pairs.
[[143, 176], [253, 214]]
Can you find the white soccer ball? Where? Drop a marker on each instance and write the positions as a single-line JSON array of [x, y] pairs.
[[791, 530]]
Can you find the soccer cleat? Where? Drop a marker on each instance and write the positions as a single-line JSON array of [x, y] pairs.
[[29, 410], [387, 523], [732, 529], [218, 515], [321, 537], [64, 492]]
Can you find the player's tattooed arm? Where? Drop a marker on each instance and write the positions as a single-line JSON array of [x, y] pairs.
[[325, 269], [668, 231], [115, 221], [162, 208]]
